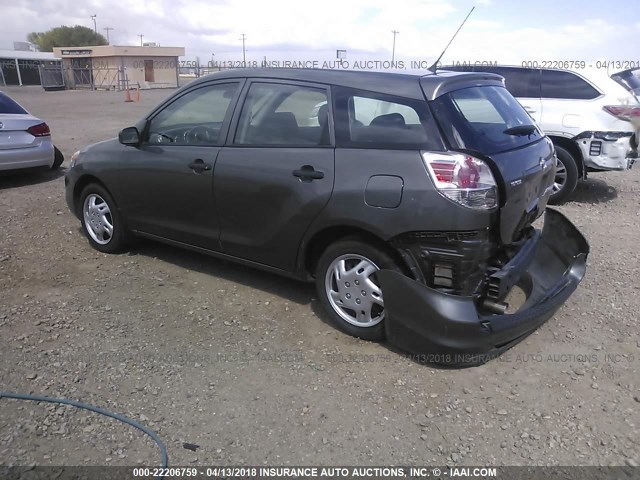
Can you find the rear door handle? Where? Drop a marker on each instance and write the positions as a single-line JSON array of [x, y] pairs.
[[530, 109], [199, 166], [306, 173]]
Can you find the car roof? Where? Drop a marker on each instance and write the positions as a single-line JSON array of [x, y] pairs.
[[408, 85]]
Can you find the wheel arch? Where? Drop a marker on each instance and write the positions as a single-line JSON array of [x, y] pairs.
[[575, 152], [81, 184], [320, 240]]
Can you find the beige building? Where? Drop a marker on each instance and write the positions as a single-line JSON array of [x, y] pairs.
[[116, 67]]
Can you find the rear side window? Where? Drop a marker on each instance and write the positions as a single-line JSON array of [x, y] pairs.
[[284, 115], [9, 106], [566, 85], [478, 118], [371, 120]]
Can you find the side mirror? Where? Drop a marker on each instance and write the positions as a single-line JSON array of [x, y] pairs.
[[129, 136]]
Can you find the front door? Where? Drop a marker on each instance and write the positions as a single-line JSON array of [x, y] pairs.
[[276, 173], [167, 182]]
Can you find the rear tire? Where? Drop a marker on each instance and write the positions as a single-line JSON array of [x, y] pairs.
[[348, 288], [58, 158], [566, 176]]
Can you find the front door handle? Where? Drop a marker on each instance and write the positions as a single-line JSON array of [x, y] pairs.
[[530, 109], [199, 166], [306, 173]]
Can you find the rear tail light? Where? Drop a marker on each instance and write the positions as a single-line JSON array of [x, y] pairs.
[[462, 178], [40, 130], [624, 112]]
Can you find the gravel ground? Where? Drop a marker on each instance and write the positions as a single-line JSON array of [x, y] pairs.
[[244, 364]]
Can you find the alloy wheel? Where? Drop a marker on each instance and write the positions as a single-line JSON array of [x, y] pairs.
[[97, 219], [561, 177], [353, 290]]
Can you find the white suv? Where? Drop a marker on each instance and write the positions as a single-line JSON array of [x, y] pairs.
[[592, 118]]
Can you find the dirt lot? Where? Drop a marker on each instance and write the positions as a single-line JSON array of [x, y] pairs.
[[243, 363]]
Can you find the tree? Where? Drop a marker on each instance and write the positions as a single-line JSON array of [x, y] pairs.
[[63, 36]]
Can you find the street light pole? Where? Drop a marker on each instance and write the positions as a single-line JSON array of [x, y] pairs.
[[141, 39], [393, 52], [244, 52], [107, 30], [95, 29]]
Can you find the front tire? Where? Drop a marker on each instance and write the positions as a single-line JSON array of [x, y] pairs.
[[101, 221], [348, 287], [566, 176]]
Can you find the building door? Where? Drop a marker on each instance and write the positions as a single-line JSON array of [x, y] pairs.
[[148, 71]]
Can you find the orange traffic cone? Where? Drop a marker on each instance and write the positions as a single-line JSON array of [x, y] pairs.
[[138, 94], [127, 97]]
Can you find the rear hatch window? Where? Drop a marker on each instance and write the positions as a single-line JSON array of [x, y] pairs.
[[629, 79], [8, 106], [486, 119]]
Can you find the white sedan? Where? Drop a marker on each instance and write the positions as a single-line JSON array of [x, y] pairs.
[[25, 140]]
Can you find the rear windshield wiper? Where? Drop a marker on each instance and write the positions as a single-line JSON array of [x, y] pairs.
[[519, 130]]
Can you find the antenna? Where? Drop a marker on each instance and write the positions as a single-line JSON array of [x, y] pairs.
[[434, 67]]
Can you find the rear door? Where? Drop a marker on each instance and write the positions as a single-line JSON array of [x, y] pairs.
[[276, 173], [568, 102], [488, 122]]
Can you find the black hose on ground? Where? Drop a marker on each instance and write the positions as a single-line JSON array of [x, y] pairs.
[[86, 406]]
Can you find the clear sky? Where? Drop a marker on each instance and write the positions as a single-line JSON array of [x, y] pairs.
[[506, 31]]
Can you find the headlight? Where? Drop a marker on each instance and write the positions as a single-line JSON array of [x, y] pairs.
[[74, 158]]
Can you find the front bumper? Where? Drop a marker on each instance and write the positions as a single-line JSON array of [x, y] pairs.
[[448, 329]]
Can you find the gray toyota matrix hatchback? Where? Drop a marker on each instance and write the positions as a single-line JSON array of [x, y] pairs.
[[409, 200]]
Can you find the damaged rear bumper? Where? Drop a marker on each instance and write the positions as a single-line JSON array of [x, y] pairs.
[[442, 328]]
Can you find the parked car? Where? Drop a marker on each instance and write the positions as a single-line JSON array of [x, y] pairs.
[[410, 204], [587, 116], [25, 141]]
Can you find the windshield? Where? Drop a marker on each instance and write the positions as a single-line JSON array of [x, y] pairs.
[[629, 79], [486, 119], [9, 106]]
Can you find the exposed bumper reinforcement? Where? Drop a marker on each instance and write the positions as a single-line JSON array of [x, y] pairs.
[[448, 329]]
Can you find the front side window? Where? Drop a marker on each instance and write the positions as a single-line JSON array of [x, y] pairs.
[[485, 119], [566, 85], [196, 118], [372, 120], [287, 115]]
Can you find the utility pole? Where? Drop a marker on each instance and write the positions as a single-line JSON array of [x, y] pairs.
[[107, 29], [95, 29], [393, 51], [244, 52], [141, 39]]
